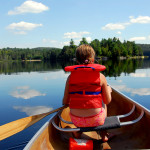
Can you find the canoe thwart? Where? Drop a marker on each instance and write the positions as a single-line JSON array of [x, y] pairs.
[[133, 121], [59, 115], [111, 122], [63, 129], [128, 114]]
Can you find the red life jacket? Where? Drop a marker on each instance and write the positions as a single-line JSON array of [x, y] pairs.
[[84, 86]]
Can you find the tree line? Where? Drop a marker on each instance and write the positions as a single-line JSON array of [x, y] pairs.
[[145, 48], [111, 47], [45, 54]]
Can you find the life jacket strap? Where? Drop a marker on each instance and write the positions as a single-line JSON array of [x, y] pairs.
[[84, 67], [86, 93]]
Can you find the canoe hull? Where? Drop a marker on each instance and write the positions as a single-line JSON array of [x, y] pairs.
[[134, 136]]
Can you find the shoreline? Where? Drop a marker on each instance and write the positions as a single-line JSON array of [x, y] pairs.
[[33, 60], [122, 57]]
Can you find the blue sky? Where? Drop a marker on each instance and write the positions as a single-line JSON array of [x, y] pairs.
[[52, 23]]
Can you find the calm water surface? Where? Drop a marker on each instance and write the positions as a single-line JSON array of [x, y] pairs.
[[32, 88]]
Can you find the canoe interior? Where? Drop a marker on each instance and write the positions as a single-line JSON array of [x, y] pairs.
[[128, 137]]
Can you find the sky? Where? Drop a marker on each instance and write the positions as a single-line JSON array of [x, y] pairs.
[[53, 23]]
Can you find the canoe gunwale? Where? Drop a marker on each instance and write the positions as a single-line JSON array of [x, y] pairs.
[[46, 124]]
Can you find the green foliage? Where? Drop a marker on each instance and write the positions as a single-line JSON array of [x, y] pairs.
[[10, 54], [111, 48], [96, 46], [144, 49], [83, 41]]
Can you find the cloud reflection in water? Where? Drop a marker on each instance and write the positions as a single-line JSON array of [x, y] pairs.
[[140, 91], [141, 73], [30, 111], [25, 92], [57, 75]]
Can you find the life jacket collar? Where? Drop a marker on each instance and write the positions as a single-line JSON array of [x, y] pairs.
[[88, 67]]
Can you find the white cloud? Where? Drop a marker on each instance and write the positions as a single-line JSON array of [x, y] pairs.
[[137, 38], [114, 26], [89, 39], [22, 27], [20, 32], [72, 35], [140, 19], [28, 6], [25, 92], [66, 43], [118, 32], [122, 26], [54, 43], [77, 41], [30, 111], [49, 41]]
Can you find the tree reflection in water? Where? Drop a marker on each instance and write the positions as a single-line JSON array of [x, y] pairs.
[[114, 67]]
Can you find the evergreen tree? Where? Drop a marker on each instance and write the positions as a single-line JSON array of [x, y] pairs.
[[83, 41], [97, 47]]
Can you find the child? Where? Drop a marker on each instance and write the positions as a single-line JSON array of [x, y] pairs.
[[86, 91]]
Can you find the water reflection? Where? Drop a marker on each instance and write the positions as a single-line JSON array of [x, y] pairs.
[[30, 88], [114, 68], [142, 73], [17, 67], [133, 91], [25, 92], [30, 111], [57, 75]]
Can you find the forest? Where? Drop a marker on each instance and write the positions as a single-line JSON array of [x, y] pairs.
[[145, 48], [111, 48]]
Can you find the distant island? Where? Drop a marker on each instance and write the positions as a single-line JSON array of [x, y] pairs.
[[106, 48]]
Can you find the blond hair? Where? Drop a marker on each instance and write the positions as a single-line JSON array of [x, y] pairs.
[[85, 54]]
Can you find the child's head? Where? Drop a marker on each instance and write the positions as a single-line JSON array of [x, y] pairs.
[[85, 54]]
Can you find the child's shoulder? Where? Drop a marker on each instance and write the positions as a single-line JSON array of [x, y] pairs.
[[102, 78], [101, 75]]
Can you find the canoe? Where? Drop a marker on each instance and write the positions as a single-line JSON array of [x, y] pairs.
[[132, 135]]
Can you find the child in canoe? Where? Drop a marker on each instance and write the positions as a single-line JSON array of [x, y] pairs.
[[86, 91]]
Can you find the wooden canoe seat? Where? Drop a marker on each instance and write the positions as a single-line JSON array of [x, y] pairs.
[[111, 122]]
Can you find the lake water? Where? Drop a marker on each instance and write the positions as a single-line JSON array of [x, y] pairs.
[[30, 88]]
